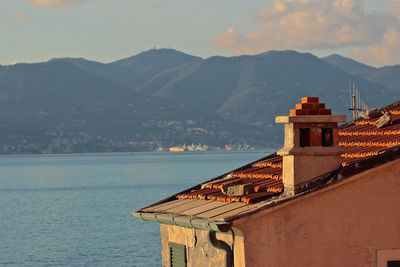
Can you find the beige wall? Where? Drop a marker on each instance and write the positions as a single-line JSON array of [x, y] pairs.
[[342, 225], [198, 249]]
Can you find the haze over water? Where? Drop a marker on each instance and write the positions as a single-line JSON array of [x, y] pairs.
[[76, 209]]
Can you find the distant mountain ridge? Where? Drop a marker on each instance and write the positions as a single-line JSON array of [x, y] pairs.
[[347, 64], [162, 58], [131, 72], [57, 107], [388, 76], [256, 88], [163, 97]]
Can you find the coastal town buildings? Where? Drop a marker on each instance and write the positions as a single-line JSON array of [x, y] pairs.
[[329, 197]]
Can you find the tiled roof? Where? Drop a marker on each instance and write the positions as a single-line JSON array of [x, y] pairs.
[[362, 138], [359, 139], [265, 176], [365, 146]]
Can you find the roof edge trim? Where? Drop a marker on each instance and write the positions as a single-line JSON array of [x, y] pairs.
[[185, 221]]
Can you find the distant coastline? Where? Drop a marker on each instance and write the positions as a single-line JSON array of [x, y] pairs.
[[143, 153]]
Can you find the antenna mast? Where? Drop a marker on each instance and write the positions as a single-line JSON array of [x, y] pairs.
[[354, 106], [356, 103]]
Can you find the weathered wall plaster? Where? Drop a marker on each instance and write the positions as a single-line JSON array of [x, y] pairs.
[[199, 250], [341, 225]]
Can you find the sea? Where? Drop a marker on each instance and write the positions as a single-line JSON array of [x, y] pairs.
[[76, 210]]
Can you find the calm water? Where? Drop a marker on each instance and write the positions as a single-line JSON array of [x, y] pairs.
[[76, 210]]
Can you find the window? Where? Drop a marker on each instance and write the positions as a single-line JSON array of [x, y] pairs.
[[393, 263], [177, 255], [388, 257], [327, 137], [304, 137]]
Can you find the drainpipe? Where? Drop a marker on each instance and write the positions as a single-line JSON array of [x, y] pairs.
[[219, 244]]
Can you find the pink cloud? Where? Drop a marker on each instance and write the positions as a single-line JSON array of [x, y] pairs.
[[19, 16], [386, 52], [56, 3], [317, 24]]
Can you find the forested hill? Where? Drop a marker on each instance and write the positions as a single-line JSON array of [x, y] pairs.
[[162, 98]]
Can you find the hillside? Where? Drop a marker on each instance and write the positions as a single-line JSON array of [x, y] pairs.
[[133, 71], [254, 89], [58, 107], [347, 64], [388, 76], [162, 98]]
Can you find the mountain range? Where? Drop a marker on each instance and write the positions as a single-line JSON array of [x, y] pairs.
[[162, 98]]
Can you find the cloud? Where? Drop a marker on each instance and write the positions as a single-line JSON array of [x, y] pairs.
[[14, 62], [19, 16], [56, 3], [315, 24], [386, 52], [394, 8]]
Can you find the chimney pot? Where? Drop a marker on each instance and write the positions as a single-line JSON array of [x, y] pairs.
[[311, 143]]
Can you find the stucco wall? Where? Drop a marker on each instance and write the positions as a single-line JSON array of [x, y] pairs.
[[342, 225], [199, 250]]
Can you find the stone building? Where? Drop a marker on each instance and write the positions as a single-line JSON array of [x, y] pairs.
[[329, 197]]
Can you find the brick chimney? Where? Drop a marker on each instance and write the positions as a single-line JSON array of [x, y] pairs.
[[311, 143]]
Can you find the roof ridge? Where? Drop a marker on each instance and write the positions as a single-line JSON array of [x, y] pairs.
[[385, 108]]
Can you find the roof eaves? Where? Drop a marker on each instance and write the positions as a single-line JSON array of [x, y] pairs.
[[185, 221]]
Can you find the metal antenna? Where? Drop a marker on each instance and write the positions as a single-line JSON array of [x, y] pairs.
[[356, 103], [350, 103]]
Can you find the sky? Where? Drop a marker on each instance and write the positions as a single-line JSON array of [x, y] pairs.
[[108, 30]]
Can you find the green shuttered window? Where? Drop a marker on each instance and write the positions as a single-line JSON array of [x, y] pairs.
[[177, 255]]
